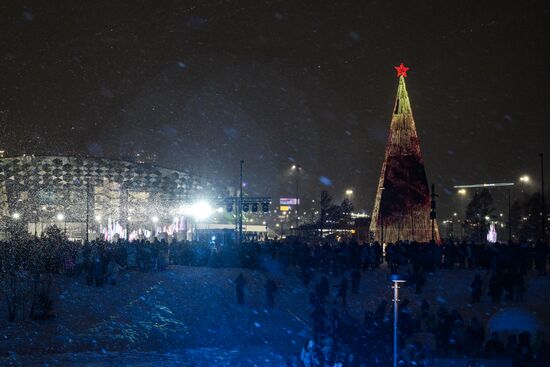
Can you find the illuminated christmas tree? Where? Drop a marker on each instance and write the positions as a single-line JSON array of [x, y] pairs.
[[402, 205]]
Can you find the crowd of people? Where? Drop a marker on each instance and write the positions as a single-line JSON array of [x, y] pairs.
[[340, 340], [337, 339], [506, 261]]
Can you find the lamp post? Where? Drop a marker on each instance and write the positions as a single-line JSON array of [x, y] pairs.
[[349, 192], [396, 279], [509, 215], [61, 217], [432, 211], [525, 179], [241, 206], [298, 170], [462, 194], [455, 218], [87, 207], [154, 219], [542, 202], [35, 212]]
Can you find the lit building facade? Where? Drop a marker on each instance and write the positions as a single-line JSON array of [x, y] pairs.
[[100, 194]]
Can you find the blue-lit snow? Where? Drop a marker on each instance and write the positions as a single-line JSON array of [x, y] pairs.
[[188, 316]]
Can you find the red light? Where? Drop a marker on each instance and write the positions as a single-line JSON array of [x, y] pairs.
[[401, 70]]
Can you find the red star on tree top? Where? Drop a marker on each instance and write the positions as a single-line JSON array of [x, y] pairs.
[[401, 70]]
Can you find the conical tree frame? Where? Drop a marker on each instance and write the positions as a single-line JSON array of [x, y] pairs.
[[402, 204]]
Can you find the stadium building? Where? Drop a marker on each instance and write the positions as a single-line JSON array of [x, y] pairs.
[[110, 198]]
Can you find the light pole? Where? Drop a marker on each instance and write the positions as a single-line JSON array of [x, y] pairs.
[[396, 279], [241, 206], [349, 192], [462, 193], [509, 215], [154, 219], [525, 179], [542, 202], [432, 212], [455, 218], [61, 218], [298, 170], [87, 207], [524, 182], [35, 212]]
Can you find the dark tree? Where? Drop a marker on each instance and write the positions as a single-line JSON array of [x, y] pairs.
[[329, 212], [346, 208], [324, 207], [480, 207], [529, 221]]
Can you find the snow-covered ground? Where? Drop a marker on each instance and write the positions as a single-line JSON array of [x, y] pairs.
[[188, 316]]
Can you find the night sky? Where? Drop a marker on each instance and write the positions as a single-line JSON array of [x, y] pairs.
[[203, 84]]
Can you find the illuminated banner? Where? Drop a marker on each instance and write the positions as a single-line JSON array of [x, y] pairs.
[[289, 201]]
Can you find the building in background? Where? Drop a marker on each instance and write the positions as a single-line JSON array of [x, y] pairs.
[[402, 204], [110, 197]]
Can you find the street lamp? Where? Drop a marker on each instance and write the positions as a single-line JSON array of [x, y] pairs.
[[16, 216], [155, 220], [525, 179], [241, 194], [542, 202], [396, 279], [298, 170], [61, 217], [201, 210], [349, 192], [462, 192]]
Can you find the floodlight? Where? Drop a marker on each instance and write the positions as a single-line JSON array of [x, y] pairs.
[[201, 210]]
